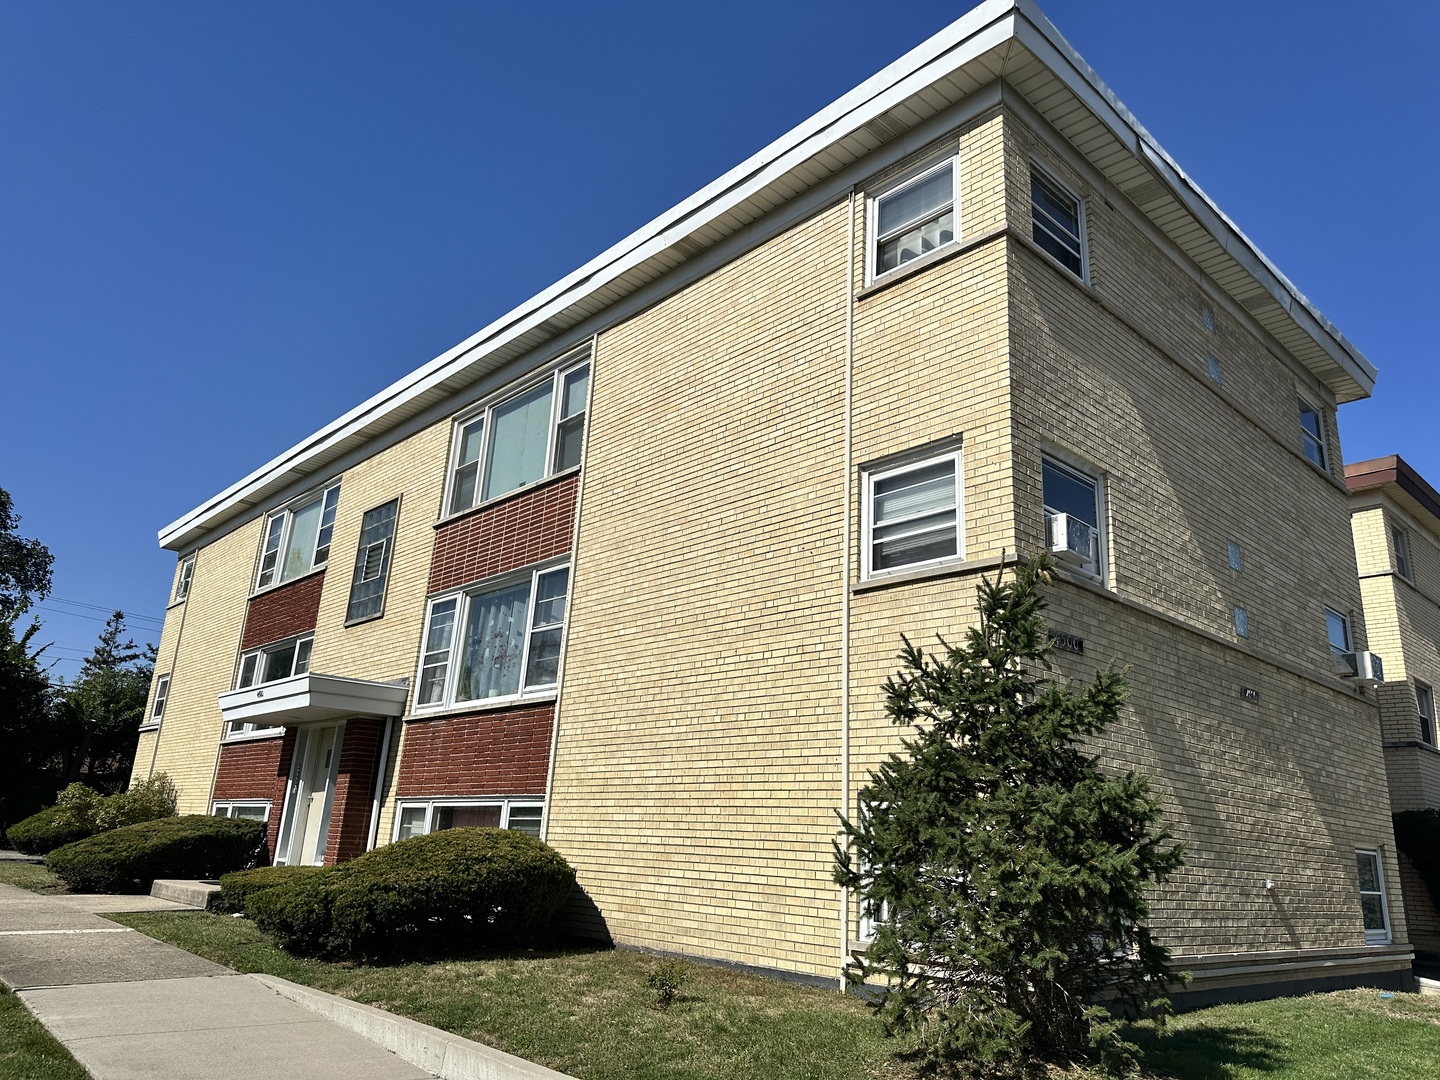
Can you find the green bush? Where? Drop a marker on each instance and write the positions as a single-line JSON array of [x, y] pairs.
[[237, 888], [453, 892], [129, 859], [41, 833]]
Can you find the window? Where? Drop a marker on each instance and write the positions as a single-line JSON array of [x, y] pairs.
[[912, 218], [297, 540], [419, 818], [1372, 898], [912, 515], [184, 578], [499, 641], [1072, 515], [1242, 622], [1232, 556], [278, 661], [252, 811], [1312, 434], [1057, 222], [1337, 628], [1212, 364], [1425, 702], [525, 438], [162, 695], [1401, 540], [372, 562]]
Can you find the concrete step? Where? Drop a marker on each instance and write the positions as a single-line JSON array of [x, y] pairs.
[[190, 893], [1428, 986]]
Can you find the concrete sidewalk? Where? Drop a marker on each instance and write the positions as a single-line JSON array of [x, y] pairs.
[[132, 1008]]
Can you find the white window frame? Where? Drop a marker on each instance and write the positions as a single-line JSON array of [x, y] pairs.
[[505, 803], [227, 808], [258, 731], [873, 238], [162, 696], [1400, 539], [462, 599], [873, 477], [184, 579], [1320, 459], [1425, 708], [1347, 634], [1047, 176], [1096, 478], [278, 540], [486, 415], [1378, 935]]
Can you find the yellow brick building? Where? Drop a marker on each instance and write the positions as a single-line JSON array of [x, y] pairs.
[[969, 310]]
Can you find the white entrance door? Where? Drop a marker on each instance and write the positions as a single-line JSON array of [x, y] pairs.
[[312, 785]]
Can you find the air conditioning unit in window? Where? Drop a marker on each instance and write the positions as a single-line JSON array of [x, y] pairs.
[[1071, 539], [1365, 668]]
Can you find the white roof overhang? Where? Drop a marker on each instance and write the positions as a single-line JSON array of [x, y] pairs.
[[312, 699], [1000, 40]]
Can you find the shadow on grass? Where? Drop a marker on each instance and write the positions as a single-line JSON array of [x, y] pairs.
[[1210, 1053]]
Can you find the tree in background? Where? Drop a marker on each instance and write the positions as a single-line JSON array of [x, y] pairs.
[[97, 717], [1005, 871], [26, 736], [24, 564]]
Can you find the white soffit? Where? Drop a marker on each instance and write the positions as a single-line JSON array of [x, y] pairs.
[[999, 39]]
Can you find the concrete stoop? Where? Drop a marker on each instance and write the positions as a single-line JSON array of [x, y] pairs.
[[1429, 987], [440, 1053], [194, 894]]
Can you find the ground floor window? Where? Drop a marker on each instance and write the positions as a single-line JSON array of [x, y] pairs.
[[253, 809], [416, 818], [1372, 898]]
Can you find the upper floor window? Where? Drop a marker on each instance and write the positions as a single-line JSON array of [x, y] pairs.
[[184, 578], [1401, 540], [278, 661], [1072, 515], [1425, 703], [525, 438], [1057, 221], [912, 218], [162, 695], [372, 562], [1337, 629], [297, 539], [1372, 898], [1312, 433], [498, 641], [912, 515]]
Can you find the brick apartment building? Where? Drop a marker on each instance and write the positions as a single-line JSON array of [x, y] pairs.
[[628, 568]]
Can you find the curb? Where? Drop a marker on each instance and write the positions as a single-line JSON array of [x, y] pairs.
[[447, 1056]]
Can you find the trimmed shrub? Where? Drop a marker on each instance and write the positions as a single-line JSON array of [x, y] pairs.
[[453, 892], [42, 833], [238, 887], [129, 859]]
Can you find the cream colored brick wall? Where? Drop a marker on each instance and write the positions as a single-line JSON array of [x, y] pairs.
[[198, 646]]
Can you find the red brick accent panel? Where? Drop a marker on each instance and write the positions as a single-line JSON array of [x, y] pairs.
[[257, 770], [504, 752], [354, 790], [284, 612], [534, 525]]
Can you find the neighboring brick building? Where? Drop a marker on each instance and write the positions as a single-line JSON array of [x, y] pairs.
[[1395, 515], [970, 309]]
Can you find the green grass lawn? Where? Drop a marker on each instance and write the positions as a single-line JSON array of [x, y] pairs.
[[27, 1050], [32, 876], [589, 1012]]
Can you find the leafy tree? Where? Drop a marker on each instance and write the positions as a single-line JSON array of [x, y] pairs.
[[26, 738], [97, 716], [1006, 869], [24, 564]]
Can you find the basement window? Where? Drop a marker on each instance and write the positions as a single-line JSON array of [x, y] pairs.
[[418, 818]]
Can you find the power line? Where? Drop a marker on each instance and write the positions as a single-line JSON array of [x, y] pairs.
[[102, 607], [82, 615]]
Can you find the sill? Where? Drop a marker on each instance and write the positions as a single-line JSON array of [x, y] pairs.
[[929, 259], [176, 603], [1065, 271], [469, 708], [361, 622], [253, 736], [949, 568], [143, 728], [515, 493], [271, 588]]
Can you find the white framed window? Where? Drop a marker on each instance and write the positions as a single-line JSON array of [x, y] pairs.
[[297, 539], [417, 817], [913, 515], [280, 660], [1312, 433], [1425, 703], [1073, 503], [1337, 631], [372, 563], [1057, 221], [519, 440], [496, 641], [1401, 539], [1373, 905], [162, 695], [914, 217], [251, 809], [183, 579]]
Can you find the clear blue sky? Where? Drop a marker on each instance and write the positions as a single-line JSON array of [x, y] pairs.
[[225, 224]]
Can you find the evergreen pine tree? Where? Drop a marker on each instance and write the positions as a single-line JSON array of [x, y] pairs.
[[1005, 871]]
